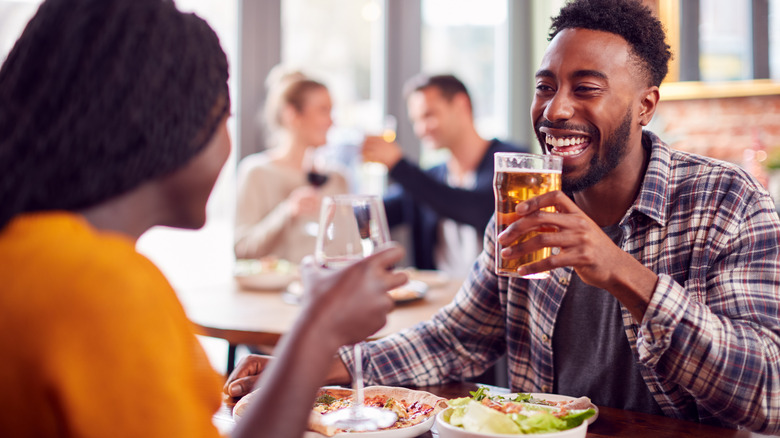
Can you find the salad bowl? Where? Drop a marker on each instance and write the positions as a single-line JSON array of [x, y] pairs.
[[528, 414], [446, 430]]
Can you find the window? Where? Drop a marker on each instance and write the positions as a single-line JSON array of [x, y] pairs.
[[734, 39], [339, 43], [725, 43], [469, 40], [722, 48]]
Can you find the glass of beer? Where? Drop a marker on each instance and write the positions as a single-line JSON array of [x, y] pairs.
[[518, 177]]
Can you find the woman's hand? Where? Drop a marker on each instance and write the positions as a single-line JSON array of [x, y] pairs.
[[305, 201], [351, 304]]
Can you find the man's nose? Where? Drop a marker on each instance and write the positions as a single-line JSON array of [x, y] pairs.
[[559, 108]]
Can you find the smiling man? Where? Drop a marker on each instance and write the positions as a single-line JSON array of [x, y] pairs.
[[664, 295]]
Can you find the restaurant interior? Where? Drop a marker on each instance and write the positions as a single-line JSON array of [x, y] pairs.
[[721, 97]]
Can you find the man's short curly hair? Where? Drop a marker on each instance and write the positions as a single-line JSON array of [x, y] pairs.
[[628, 18]]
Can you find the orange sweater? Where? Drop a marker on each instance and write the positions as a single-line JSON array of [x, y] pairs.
[[93, 341]]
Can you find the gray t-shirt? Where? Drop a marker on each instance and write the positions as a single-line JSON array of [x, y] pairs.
[[592, 356]]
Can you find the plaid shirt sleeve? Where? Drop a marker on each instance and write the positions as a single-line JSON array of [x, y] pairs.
[[461, 340], [713, 328]]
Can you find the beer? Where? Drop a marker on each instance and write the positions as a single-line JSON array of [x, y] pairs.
[[515, 182]]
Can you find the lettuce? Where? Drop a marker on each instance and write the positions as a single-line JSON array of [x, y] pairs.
[[542, 422], [474, 417], [575, 418]]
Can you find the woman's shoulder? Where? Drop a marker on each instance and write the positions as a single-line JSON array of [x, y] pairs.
[[262, 165], [60, 260], [260, 160]]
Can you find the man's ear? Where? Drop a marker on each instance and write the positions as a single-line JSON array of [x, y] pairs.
[[462, 101], [648, 104], [287, 115]]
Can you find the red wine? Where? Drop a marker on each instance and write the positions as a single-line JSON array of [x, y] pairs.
[[316, 179]]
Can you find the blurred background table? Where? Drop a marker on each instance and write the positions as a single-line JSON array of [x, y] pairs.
[[252, 317]]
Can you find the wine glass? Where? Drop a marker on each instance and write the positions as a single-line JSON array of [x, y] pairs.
[[315, 167], [316, 176], [353, 227]]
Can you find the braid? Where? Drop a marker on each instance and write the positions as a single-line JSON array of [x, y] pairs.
[[99, 96]]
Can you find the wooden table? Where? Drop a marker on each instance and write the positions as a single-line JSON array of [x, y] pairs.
[[611, 422], [252, 317]]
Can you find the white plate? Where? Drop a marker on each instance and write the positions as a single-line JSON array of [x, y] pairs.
[[413, 290], [430, 277], [407, 432], [265, 281], [447, 430], [265, 274]]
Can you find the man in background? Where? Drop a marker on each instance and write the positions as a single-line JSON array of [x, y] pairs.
[[449, 205]]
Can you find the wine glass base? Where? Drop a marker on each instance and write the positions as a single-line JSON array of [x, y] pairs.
[[360, 418]]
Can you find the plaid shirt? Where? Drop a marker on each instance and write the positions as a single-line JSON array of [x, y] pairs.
[[709, 340]]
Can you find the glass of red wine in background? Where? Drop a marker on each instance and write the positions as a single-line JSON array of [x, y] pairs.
[[315, 166]]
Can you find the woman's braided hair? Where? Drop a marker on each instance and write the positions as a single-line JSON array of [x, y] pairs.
[[100, 96]]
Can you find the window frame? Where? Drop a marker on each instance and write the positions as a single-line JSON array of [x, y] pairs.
[[684, 43]]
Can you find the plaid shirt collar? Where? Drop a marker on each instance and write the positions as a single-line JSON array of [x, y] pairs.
[[652, 199]]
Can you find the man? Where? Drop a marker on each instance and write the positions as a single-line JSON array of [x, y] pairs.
[[445, 235], [663, 297]]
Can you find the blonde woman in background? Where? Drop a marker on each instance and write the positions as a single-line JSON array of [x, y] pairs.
[[278, 195]]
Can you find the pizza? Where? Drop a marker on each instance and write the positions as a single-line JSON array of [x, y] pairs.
[[412, 407]]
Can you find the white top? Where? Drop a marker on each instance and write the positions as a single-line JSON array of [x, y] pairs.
[[264, 224], [458, 245]]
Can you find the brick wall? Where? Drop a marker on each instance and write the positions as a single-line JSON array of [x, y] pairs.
[[724, 128], [720, 128]]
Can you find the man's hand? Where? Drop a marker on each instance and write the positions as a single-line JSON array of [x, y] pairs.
[[243, 378], [378, 150], [583, 245]]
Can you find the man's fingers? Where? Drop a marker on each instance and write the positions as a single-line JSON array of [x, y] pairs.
[[242, 386], [556, 199]]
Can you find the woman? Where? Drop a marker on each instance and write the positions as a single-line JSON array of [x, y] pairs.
[[113, 120], [278, 202]]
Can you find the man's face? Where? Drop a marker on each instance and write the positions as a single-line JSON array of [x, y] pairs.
[[585, 104], [434, 118]]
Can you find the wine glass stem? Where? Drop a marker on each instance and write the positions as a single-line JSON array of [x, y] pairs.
[[357, 379]]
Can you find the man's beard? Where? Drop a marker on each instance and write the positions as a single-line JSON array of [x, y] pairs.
[[615, 147]]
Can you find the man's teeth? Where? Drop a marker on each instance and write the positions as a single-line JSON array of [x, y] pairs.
[[574, 145]]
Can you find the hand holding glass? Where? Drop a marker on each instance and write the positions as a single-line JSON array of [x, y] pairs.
[[352, 227], [517, 178]]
